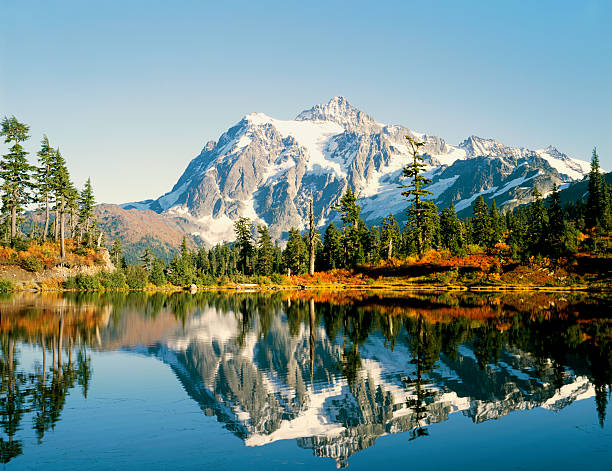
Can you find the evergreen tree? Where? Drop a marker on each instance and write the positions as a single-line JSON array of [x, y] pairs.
[[481, 223], [496, 226], [450, 230], [537, 223], [390, 236], [62, 188], [72, 202], [597, 209], [374, 244], [157, 275], [349, 208], [43, 180], [115, 252], [245, 245], [419, 214], [181, 271], [352, 234], [295, 253], [147, 258], [265, 251], [86, 211], [184, 247], [15, 171], [561, 238]]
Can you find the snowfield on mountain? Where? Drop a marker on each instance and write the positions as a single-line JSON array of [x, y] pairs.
[[268, 169]]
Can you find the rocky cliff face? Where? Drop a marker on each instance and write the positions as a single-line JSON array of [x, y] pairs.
[[268, 169]]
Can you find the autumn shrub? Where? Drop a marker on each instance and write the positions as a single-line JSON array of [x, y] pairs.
[[51, 284], [32, 264], [70, 283], [448, 276], [474, 249], [21, 245], [278, 279], [6, 286]]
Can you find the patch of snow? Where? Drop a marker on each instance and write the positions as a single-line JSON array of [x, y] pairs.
[[513, 183], [137, 205], [572, 168], [441, 186], [451, 157], [462, 204], [580, 389], [169, 199], [312, 135]]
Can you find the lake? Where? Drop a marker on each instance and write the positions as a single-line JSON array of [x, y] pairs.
[[305, 380]]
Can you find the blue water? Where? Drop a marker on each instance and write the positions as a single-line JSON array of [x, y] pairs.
[[146, 409]]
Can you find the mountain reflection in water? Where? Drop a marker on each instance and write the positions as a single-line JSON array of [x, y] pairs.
[[334, 371]]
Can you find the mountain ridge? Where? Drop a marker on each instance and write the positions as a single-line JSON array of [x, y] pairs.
[[267, 169]]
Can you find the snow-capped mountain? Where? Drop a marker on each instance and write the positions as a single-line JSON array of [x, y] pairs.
[[267, 169]]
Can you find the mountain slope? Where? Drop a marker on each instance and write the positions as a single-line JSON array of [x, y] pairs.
[[137, 230], [267, 169]]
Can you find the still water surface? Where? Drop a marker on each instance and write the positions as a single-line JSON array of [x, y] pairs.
[[305, 381]]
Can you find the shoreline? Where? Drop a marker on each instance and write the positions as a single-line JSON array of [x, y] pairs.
[[26, 287]]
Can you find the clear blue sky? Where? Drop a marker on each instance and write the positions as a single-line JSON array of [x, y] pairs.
[[131, 90]]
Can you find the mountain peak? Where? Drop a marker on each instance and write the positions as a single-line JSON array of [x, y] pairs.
[[476, 146], [340, 111]]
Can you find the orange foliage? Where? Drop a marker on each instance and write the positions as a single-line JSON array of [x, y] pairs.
[[49, 253]]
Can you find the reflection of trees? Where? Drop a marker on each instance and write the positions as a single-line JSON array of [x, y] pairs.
[[425, 347], [41, 393]]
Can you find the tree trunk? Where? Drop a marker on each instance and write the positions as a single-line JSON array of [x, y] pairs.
[[14, 218], [62, 229], [46, 231], [390, 248], [311, 267], [56, 225]]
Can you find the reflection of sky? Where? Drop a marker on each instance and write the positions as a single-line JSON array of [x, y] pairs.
[[137, 416]]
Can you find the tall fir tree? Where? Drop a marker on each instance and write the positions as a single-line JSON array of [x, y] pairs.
[[265, 251], [390, 237], [332, 248], [537, 223], [295, 254], [243, 229], [481, 223], [86, 211], [555, 230], [115, 252], [352, 235], [349, 208], [15, 171], [597, 208], [418, 212], [451, 236], [44, 182], [62, 189], [147, 259], [497, 227]]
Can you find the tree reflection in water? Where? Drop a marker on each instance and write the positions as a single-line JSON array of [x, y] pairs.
[[497, 352]]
